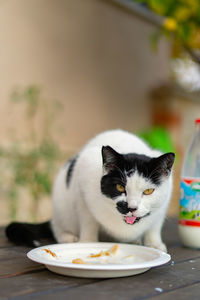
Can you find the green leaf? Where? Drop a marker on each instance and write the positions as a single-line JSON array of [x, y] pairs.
[[158, 138]]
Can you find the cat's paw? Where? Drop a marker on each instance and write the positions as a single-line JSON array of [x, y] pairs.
[[138, 242], [88, 240], [160, 246], [67, 237]]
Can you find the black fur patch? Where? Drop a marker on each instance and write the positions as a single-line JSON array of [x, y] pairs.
[[72, 163], [109, 182], [29, 234], [119, 166], [122, 207]]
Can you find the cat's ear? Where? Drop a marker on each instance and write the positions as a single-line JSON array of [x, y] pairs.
[[111, 158], [164, 163]]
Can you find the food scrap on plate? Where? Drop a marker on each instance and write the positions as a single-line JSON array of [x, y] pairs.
[[79, 261], [49, 252], [109, 252]]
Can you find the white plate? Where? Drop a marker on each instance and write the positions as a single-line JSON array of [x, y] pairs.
[[128, 260]]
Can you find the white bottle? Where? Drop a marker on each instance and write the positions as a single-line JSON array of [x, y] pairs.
[[189, 215]]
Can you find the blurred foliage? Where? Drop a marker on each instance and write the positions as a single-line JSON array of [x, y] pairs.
[[32, 167], [158, 138], [181, 20]]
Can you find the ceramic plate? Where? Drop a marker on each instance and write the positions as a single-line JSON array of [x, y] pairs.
[[126, 261]]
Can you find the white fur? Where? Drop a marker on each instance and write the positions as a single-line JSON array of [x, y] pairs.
[[80, 211]]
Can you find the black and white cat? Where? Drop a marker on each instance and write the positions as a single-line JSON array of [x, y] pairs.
[[116, 184]]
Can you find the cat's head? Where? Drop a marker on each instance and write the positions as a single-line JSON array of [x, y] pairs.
[[138, 184]]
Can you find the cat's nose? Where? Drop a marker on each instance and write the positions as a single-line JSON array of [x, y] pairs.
[[131, 209]]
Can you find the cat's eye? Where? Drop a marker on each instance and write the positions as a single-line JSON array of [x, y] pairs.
[[148, 191], [120, 188]]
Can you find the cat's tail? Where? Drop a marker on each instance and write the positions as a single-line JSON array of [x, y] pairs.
[[29, 234]]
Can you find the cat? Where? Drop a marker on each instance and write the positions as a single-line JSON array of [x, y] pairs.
[[116, 184]]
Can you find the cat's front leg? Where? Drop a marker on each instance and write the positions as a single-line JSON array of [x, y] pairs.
[[152, 237], [67, 237], [61, 234], [89, 228]]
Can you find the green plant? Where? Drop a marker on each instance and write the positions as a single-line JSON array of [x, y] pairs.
[[181, 22], [158, 138], [31, 166]]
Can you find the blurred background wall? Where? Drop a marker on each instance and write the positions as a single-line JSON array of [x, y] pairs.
[[93, 57]]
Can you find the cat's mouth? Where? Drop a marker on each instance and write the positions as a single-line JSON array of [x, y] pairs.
[[132, 219]]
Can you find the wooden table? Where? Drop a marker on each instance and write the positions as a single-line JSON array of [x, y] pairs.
[[21, 278]]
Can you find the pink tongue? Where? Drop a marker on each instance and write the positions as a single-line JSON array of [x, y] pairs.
[[130, 220]]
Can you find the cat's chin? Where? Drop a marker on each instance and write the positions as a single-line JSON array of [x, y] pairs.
[[131, 220]]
